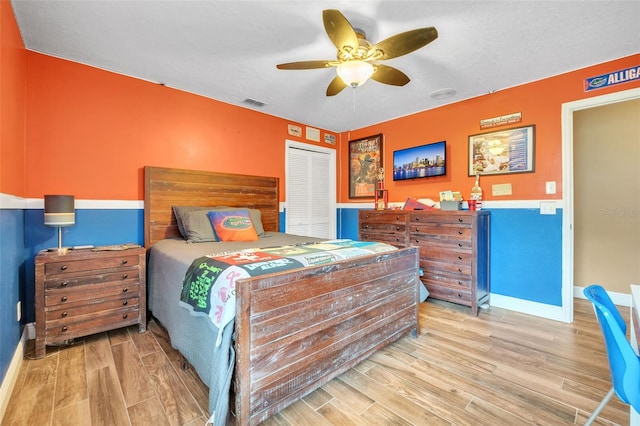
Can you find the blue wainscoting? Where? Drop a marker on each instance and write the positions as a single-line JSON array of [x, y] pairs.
[[11, 276], [526, 247], [526, 251]]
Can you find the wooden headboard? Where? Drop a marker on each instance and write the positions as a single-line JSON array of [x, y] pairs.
[[166, 187]]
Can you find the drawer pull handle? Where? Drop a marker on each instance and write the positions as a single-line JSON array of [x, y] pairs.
[[366, 227], [63, 284], [460, 282], [459, 257], [63, 299], [125, 316], [459, 295], [125, 302], [124, 261], [459, 269], [459, 219], [125, 276], [397, 228], [64, 314], [63, 267], [459, 232], [417, 218], [459, 244], [64, 328], [124, 290], [397, 217]]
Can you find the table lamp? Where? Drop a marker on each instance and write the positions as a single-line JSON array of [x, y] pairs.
[[59, 211]]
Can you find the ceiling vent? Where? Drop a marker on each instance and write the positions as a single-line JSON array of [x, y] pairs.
[[254, 103]]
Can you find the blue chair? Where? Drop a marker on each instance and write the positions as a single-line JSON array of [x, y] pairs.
[[624, 364]]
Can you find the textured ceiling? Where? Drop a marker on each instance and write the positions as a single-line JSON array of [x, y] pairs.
[[228, 50]]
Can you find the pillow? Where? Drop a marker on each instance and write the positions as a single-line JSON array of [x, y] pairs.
[[197, 227], [233, 225], [181, 211]]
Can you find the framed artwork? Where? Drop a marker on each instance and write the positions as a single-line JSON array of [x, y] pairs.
[[365, 162], [502, 151]]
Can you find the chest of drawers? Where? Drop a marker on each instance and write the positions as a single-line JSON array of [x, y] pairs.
[[453, 246], [82, 292]]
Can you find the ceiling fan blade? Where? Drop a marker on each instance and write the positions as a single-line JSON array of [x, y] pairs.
[[389, 75], [339, 29], [305, 65], [335, 86], [403, 43]]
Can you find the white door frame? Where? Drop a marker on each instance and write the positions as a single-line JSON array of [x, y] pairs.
[[331, 178], [567, 178]]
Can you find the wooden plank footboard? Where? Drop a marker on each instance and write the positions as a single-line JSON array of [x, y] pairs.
[[299, 330]]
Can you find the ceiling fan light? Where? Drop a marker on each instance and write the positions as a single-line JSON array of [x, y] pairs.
[[355, 73]]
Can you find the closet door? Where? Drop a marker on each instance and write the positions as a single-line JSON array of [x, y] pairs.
[[310, 193]]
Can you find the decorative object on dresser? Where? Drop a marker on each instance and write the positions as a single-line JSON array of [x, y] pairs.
[[453, 247], [59, 211], [83, 292]]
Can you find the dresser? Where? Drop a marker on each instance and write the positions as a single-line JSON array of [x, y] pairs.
[[453, 246], [82, 292]]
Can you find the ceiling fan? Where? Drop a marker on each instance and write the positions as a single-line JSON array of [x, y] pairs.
[[358, 59]]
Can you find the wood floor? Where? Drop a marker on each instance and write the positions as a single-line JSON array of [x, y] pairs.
[[501, 368]]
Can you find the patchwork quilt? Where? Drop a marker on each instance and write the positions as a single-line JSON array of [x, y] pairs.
[[209, 284]]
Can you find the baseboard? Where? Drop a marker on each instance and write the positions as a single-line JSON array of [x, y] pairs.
[[527, 307], [9, 381], [620, 299]]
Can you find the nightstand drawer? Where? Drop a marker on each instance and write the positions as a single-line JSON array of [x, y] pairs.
[[68, 282], [64, 315], [70, 266], [97, 323], [91, 292]]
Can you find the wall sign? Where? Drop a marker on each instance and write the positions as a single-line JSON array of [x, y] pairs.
[[503, 120], [612, 78]]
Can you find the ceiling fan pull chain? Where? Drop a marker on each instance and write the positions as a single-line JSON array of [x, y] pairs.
[[354, 99]]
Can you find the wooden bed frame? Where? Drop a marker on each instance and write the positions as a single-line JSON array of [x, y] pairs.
[[296, 330]]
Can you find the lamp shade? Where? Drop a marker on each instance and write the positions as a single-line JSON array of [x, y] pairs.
[[354, 73], [59, 210]]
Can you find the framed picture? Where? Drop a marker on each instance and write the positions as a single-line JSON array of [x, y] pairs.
[[365, 162], [503, 151]]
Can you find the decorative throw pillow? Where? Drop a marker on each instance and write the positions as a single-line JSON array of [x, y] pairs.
[[233, 225]]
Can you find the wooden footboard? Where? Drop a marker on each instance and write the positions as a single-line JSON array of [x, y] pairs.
[[299, 330]]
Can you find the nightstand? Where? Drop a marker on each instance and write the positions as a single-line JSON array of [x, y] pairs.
[[83, 292]]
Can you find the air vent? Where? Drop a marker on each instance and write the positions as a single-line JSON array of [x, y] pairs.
[[255, 103]]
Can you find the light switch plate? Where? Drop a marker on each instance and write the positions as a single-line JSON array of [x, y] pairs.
[[550, 187]]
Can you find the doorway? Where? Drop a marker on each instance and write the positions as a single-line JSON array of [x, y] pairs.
[[568, 134]]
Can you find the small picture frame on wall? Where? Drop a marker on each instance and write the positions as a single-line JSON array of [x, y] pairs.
[[365, 162], [502, 151]]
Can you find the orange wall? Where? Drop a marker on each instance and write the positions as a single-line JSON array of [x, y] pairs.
[[12, 103], [91, 132], [539, 102]]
